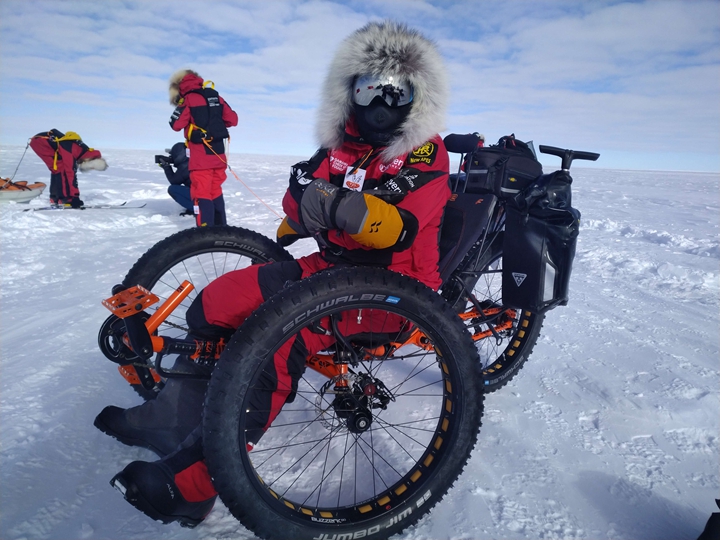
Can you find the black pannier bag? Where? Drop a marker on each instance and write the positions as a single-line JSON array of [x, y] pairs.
[[541, 230], [466, 217], [504, 169]]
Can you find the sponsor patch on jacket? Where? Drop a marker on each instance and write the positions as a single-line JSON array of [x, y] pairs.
[[300, 174], [404, 182], [337, 164], [423, 154], [391, 168], [177, 113]]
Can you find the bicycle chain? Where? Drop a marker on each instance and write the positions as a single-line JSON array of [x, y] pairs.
[[177, 326]]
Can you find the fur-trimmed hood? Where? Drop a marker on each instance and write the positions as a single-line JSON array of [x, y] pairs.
[[177, 90], [91, 160], [96, 164], [386, 49]]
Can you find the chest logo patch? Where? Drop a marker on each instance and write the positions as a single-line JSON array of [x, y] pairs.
[[423, 154]]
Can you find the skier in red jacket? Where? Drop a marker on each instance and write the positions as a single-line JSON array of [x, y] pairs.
[[64, 153], [373, 194], [204, 116]]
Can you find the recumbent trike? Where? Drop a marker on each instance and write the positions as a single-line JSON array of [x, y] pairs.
[[384, 420]]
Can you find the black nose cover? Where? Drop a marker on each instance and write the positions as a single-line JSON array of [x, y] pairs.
[[380, 117], [378, 122]]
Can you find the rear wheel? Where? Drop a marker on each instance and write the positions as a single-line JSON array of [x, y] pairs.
[[504, 337], [199, 255], [359, 455]]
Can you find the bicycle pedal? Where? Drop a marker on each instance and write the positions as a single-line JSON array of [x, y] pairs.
[[130, 301]]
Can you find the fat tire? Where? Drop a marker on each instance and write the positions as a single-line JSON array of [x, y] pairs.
[[257, 339], [189, 243]]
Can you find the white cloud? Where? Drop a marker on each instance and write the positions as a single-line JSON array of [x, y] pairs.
[[610, 76]]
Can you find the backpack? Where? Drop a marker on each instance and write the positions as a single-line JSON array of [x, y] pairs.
[[503, 169], [208, 121]]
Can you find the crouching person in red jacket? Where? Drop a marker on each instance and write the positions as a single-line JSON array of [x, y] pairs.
[[64, 154], [374, 194], [204, 116]]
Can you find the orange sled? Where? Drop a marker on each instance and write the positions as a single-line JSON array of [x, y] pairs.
[[20, 192]]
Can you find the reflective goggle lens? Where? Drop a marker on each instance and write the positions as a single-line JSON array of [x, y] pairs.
[[395, 93]]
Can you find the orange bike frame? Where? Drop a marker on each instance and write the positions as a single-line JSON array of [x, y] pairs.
[[136, 299]]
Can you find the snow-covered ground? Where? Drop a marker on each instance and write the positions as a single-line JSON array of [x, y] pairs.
[[609, 432]]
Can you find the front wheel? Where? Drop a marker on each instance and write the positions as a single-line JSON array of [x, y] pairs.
[[371, 436], [199, 255]]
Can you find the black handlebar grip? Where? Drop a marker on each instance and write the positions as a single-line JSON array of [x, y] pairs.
[[568, 156], [461, 144]]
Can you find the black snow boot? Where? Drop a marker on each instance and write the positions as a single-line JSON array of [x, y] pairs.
[[151, 488], [113, 421], [160, 424]]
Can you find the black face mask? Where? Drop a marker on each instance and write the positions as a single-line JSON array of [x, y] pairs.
[[378, 122]]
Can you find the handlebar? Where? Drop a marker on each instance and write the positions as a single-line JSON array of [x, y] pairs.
[[568, 156], [465, 144]]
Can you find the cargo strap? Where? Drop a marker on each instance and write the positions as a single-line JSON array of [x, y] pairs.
[[69, 136], [9, 182], [193, 127]]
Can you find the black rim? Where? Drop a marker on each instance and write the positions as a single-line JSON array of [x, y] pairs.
[[200, 268], [313, 467]]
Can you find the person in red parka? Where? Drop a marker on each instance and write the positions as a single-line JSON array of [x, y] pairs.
[[373, 194], [64, 153], [204, 116]]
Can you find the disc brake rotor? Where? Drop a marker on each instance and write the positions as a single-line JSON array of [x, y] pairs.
[[324, 405]]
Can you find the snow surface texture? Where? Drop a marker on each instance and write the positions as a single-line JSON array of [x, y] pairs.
[[609, 432]]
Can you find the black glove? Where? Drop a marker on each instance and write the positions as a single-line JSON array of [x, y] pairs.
[[75, 202], [391, 197], [289, 232], [162, 161]]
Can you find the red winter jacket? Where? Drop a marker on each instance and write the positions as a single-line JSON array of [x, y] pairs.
[[410, 194], [205, 117], [61, 153]]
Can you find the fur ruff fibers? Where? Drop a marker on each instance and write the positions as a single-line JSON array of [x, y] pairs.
[[97, 164], [386, 49], [174, 89]]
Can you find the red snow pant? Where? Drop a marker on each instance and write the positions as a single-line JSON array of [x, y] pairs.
[[220, 309], [206, 193]]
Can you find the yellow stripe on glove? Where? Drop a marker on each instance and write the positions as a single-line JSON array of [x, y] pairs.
[[382, 226], [289, 232]]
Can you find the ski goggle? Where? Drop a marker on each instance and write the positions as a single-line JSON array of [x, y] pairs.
[[393, 91]]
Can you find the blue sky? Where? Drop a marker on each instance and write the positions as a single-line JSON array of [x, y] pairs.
[[638, 82]]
